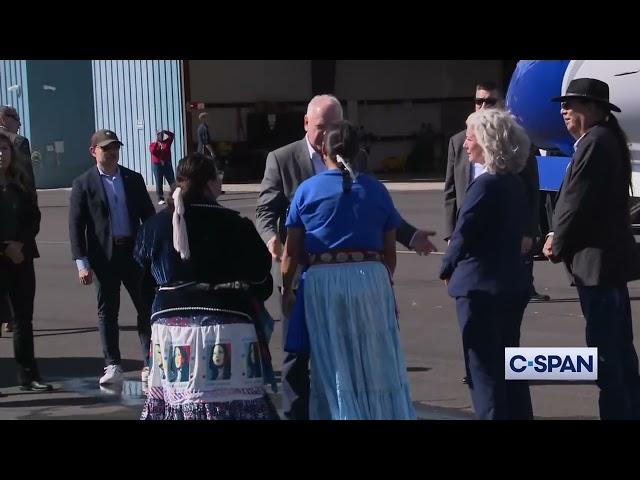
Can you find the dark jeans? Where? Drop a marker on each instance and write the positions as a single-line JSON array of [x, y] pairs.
[[607, 311], [160, 172], [489, 323], [296, 383], [107, 279], [20, 283]]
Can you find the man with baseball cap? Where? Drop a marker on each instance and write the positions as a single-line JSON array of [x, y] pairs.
[[592, 235], [107, 206]]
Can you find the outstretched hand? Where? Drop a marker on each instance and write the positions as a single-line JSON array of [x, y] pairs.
[[422, 243]]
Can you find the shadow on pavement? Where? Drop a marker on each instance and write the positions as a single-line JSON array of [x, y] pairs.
[[63, 369]]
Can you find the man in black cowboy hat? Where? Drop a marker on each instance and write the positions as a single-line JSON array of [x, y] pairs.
[[592, 236]]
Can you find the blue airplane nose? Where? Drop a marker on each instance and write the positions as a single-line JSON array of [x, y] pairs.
[[533, 84]]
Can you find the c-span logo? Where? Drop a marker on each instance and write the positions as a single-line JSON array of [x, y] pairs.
[[551, 363]]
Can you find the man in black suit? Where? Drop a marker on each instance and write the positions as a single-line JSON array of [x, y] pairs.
[[107, 206], [592, 235], [286, 168]]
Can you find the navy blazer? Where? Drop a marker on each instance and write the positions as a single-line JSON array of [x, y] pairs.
[[89, 216], [484, 253]]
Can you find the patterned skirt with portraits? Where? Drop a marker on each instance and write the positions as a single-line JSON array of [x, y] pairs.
[[207, 363]]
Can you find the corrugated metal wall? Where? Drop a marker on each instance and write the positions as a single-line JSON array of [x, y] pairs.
[[135, 99], [12, 73]]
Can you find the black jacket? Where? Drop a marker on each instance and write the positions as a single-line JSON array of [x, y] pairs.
[[591, 221], [19, 218], [89, 216], [23, 149]]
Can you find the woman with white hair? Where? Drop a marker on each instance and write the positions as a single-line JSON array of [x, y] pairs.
[[483, 266]]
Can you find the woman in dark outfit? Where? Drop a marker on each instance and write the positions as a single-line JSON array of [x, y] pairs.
[[213, 272], [19, 225]]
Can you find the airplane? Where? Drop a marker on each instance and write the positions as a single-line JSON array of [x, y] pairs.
[[535, 82]]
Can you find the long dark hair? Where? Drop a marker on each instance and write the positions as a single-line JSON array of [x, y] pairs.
[[193, 173], [611, 122], [342, 139], [15, 172]]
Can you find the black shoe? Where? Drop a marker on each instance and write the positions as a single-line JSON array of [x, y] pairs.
[[540, 297], [36, 386], [465, 380]]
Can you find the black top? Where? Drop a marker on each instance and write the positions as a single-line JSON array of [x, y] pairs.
[[19, 218], [224, 246]]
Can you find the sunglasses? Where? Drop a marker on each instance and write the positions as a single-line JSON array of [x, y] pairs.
[[489, 101]]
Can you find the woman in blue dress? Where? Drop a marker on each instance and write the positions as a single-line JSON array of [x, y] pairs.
[[213, 272], [343, 225]]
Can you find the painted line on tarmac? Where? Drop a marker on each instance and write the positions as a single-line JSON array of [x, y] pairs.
[[414, 253]]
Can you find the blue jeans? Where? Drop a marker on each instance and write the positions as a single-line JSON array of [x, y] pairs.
[[160, 172], [607, 311]]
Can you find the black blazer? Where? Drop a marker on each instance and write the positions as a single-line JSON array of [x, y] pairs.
[[89, 216], [23, 149], [286, 168], [591, 221], [22, 206], [457, 181]]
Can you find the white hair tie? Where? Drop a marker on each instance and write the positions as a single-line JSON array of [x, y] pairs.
[[347, 166], [180, 237]]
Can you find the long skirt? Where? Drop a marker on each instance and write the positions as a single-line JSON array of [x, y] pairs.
[[206, 365], [358, 369]]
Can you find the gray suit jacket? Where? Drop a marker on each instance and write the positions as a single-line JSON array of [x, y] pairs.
[[457, 181], [286, 168]]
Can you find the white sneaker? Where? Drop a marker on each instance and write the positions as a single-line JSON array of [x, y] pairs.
[[161, 202], [144, 375], [112, 374]]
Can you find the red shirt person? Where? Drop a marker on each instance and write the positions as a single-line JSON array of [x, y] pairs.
[[161, 162]]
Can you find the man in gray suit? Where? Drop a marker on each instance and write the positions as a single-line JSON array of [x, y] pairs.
[[286, 168]]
